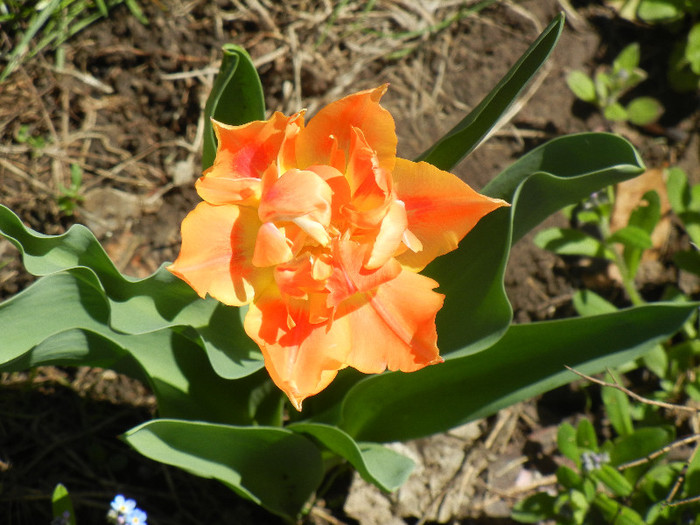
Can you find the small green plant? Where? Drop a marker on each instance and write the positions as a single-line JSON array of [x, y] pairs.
[[49, 23], [684, 61], [625, 480], [69, 197], [611, 482], [36, 143], [610, 84]]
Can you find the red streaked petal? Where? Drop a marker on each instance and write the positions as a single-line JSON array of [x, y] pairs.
[[370, 185], [441, 209], [393, 327], [246, 151], [216, 253], [350, 276], [335, 122], [302, 358]]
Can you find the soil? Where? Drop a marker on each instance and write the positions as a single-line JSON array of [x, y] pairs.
[[126, 108]]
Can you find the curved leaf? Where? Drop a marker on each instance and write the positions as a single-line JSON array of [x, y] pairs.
[[276, 468], [377, 464], [236, 97], [527, 361], [136, 306], [173, 364], [563, 171], [475, 127]]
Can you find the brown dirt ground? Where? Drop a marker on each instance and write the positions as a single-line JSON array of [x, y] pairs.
[[126, 108]]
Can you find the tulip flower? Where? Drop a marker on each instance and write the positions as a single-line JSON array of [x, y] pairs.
[[322, 231]]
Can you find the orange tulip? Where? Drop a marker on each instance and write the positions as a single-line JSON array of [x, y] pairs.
[[322, 230]]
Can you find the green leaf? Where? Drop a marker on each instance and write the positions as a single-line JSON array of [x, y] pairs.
[[61, 505], [685, 201], [566, 442], [398, 406], [236, 97], [644, 110], [474, 128], [628, 59], [563, 171], [692, 477], [647, 216], [657, 11], [678, 190], [587, 302], [582, 86], [377, 464], [585, 435], [639, 444], [688, 260], [632, 237], [172, 363], [569, 478], [615, 513], [613, 480], [617, 406], [692, 49], [615, 112], [136, 306], [275, 468], [535, 509], [567, 241]]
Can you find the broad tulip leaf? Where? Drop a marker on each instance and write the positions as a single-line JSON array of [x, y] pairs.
[[276, 468], [475, 127], [136, 306], [529, 360], [377, 464], [171, 362], [236, 97], [563, 171]]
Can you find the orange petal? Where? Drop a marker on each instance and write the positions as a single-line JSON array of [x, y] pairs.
[[302, 358], [394, 326], [302, 197], [333, 125], [350, 276], [441, 209], [216, 253], [391, 233], [370, 185], [271, 246], [246, 151], [229, 190]]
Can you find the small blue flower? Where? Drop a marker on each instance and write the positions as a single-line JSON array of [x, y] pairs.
[[123, 505], [136, 517]]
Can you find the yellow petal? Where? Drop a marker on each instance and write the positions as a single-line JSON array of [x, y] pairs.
[[441, 209], [216, 253]]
